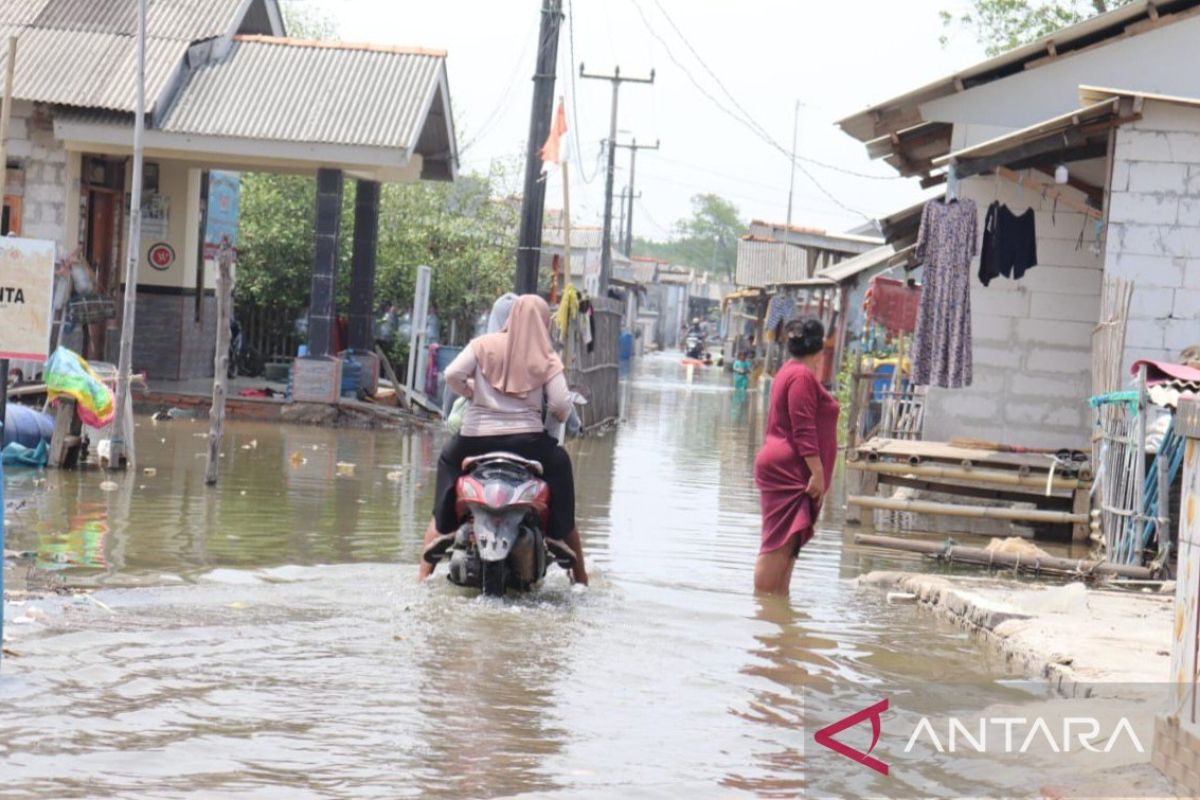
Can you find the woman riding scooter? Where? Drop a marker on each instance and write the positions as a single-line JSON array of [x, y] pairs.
[[505, 376]]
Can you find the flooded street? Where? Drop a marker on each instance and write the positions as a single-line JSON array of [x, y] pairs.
[[267, 639]]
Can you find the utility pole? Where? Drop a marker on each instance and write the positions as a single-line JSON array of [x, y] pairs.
[[792, 181], [606, 239], [122, 451], [633, 148], [533, 203], [626, 197]]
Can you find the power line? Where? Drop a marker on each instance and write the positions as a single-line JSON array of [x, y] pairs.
[[749, 116], [502, 103], [578, 154]]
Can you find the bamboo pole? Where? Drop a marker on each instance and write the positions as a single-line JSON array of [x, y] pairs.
[[977, 512], [216, 415], [977, 555], [1006, 478], [5, 115]]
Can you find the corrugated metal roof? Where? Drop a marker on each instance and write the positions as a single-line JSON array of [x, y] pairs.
[[188, 20], [286, 90], [769, 263], [82, 68], [82, 52]]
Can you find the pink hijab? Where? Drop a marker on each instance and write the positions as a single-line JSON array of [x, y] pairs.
[[519, 359]]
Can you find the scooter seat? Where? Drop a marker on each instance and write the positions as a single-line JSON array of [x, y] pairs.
[[533, 466]]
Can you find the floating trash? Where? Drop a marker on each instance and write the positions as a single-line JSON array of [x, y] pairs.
[[108, 486], [297, 459], [345, 469], [395, 476], [149, 472]]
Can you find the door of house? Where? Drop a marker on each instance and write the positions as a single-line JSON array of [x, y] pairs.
[[101, 236]]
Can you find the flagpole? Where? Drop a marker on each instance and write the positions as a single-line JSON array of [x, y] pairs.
[[566, 222]]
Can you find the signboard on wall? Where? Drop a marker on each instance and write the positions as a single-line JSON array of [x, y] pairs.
[[26, 297], [156, 216], [223, 208]]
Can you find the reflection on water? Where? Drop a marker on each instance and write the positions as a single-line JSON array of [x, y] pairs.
[[267, 639]]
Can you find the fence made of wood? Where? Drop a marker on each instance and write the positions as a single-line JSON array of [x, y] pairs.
[[597, 371]]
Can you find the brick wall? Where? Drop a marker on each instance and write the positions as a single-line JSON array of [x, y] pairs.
[[1154, 229], [1032, 337], [43, 159]]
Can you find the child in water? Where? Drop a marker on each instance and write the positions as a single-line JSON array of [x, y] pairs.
[[741, 371]]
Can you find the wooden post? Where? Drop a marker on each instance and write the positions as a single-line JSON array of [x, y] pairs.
[[566, 221], [64, 443], [216, 416]]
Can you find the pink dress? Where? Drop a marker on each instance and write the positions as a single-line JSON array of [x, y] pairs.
[[803, 422]]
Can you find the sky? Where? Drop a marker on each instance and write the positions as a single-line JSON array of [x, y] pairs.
[[716, 62]]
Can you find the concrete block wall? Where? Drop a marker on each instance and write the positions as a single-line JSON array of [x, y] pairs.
[[43, 160], [1176, 754], [1032, 337], [1154, 229]]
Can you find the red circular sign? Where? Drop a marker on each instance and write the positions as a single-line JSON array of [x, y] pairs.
[[161, 256]]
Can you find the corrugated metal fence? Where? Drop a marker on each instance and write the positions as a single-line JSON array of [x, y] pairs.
[[598, 372]]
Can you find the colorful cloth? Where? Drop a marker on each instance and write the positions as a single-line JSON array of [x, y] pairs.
[[68, 374], [802, 422], [945, 245]]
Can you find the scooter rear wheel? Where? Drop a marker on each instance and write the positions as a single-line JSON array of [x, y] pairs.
[[495, 578]]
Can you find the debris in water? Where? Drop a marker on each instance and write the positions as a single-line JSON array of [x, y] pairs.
[[243, 492], [345, 469], [149, 472], [316, 447], [901, 597], [395, 476], [236, 604], [297, 459], [1016, 545], [108, 486], [99, 603]]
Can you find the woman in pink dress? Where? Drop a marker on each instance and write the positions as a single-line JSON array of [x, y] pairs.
[[795, 466]]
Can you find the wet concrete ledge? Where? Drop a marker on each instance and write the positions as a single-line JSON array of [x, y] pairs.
[[346, 413], [1072, 637]]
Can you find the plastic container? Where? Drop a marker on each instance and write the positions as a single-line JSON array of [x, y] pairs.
[[351, 375], [26, 426], [626, 346]]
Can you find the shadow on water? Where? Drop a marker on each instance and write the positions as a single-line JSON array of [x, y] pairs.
[[267, 638]]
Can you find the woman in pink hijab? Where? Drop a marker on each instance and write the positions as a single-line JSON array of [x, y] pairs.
[[505, 376]]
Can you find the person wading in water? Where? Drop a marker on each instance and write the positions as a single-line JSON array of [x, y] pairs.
[[794, 468]]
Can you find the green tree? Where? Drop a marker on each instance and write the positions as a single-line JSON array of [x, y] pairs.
[[1001, 25], [707, 240]]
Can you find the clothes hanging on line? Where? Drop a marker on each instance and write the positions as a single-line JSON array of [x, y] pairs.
[[941, 354], [1009, 243], [780, 311]]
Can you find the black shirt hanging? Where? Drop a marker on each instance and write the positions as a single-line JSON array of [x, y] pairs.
[[1009, 243]]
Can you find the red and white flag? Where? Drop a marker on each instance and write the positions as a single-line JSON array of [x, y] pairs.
[[555, 148]]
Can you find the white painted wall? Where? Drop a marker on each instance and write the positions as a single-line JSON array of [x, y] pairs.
[[1032, 337], [1164, 60], [1154, 229]]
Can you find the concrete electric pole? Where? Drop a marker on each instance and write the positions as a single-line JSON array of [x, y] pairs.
[[606, 239], [633, 148]]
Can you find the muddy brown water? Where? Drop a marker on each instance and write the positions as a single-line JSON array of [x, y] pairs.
[[266, 639]]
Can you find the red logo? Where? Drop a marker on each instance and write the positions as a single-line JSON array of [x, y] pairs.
[[825, 736], [161, 256]]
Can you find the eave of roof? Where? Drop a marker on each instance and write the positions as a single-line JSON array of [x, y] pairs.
[[902, 112]]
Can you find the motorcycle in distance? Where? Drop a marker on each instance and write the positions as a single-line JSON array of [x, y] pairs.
[[694, 345], [504, 507]]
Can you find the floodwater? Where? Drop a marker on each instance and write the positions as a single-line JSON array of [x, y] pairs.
[[267, 639]]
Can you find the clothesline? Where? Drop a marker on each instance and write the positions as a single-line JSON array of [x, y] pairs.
[[1070, 201]]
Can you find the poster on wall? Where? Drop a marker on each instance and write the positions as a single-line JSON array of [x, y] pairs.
[[156, 216], [223, 210], [26, 297]]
